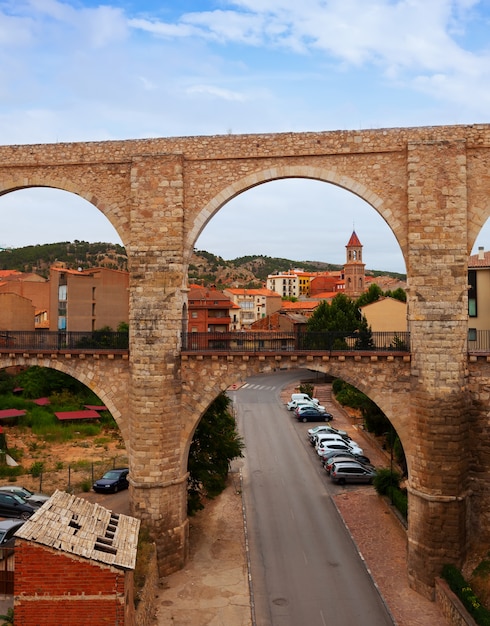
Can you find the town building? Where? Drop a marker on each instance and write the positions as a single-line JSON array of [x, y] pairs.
[[478, 293], [386, 315], [354, 268], [254, 304], [16, 312], [286, 284], [74, 564], [27, 285], [88, 300], [210, 311]]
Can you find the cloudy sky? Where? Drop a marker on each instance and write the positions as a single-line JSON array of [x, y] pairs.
[[80, 70]]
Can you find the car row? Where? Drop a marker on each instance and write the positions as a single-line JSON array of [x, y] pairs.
[[340, 456]]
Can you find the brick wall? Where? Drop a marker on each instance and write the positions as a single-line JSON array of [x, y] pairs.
[[52, 588]]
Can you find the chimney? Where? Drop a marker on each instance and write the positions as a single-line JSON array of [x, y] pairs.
[[481, 253]]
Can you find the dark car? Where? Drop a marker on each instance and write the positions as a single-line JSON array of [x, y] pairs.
[[112, 481], [12, 505], [327, 461], [8, 528], [313, 415], [36, 499]]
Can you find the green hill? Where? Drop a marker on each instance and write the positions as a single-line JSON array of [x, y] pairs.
[[204, 268]]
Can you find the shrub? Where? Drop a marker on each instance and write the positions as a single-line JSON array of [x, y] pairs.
[[8, 472], [386, 479], [306, 388], [457, 583], [37, 469]]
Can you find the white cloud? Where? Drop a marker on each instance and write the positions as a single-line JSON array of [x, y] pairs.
[[224, 94]]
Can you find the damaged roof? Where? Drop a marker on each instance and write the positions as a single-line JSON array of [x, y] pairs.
[[75, 526]]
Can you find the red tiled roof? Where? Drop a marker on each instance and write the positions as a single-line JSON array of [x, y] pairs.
[[476, 261], [298, 306], [41, 401], [6, 413], [354, 240], [88, 414]]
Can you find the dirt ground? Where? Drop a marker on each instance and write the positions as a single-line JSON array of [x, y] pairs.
[[213, 587], [67, 466]]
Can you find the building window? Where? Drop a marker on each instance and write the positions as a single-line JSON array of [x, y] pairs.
[[472, 294], [194, 314], [62, 293], [471, 334]]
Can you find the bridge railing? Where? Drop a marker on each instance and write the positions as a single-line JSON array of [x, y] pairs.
[[45, 340], [265, 341]]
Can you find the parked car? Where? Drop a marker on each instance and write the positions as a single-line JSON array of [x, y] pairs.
[[311, 414], [304, 407], [360, 458], [36, 499], [112, 481], [304, 396], [351, 472], [8, 528], [316, 438], [12, 505], [328, 462], [333, 447], [295, 404], [316, 430], [321, 437]]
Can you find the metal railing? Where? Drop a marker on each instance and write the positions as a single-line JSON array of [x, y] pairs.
[[479, 341], [265, 341], [57, 341], [233, 341]]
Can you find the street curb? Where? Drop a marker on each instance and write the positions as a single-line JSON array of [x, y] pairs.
[[395, 623]]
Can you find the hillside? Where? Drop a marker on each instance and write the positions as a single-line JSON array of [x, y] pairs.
[[205, 268]]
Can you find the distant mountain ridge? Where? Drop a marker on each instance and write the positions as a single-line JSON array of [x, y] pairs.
[[205, 268]]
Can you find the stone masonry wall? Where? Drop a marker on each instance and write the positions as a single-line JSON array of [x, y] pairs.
[[432, 187]]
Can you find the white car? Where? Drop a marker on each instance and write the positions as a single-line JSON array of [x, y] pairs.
[[347, 446], [294, 404], [313, 433]]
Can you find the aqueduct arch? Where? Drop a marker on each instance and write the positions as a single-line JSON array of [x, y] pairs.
[[384, 208], [431, 185], [96, 374]]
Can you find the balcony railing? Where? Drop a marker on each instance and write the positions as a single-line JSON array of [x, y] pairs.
[[45, 340], [265, 341]]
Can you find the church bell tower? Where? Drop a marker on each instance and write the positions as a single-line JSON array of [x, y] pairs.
[[354, 268]]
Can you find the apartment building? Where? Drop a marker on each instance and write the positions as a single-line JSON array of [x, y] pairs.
[[16, 312], [254, 304], [31, 286], [209, 310], [87, 300], [286, 284]]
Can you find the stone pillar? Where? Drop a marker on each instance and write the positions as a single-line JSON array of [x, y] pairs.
[[158, 481], [437, 299]]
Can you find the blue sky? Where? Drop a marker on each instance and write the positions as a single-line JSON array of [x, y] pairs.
[[79, 70]]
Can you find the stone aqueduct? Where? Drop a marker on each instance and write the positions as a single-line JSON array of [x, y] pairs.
[[432, 187]]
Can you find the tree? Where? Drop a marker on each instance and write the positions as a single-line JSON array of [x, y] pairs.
[[364, 339], [340, 315], [373, 294], [216, 442]]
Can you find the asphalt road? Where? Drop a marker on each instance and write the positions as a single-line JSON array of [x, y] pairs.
[[305, 569]]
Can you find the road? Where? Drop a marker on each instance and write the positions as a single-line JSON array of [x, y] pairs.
[[305, 569]]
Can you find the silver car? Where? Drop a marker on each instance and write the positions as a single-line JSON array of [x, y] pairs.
[[351, 472]]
